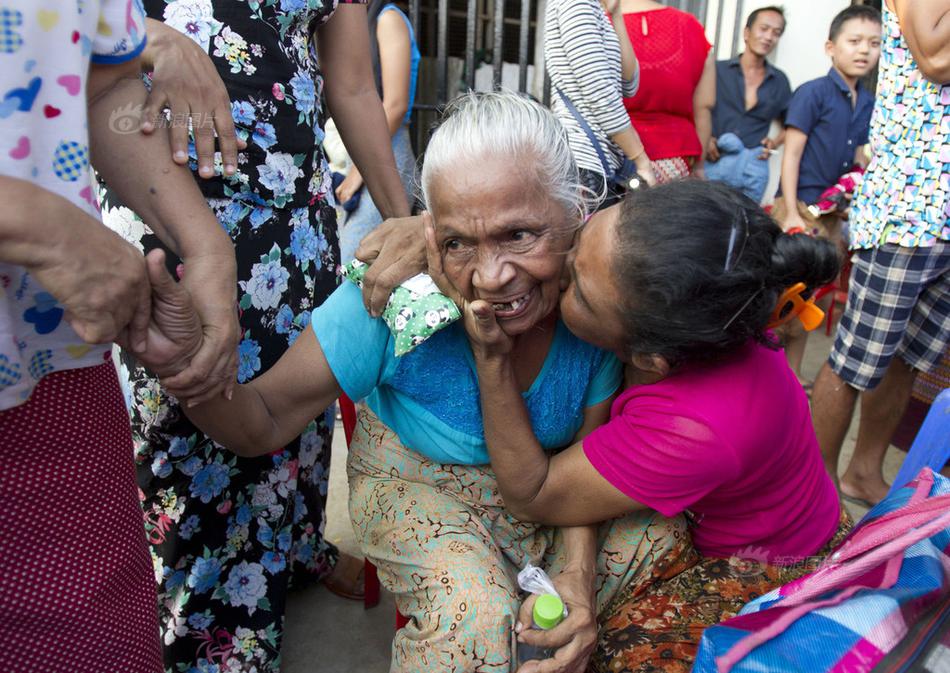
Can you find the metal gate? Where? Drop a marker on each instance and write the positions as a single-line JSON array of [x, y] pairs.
[[496, 32]]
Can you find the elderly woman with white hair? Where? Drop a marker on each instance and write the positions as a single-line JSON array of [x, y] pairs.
[[503, 193]]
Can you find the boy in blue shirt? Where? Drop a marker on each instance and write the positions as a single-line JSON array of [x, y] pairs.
[[829, 117], [827, 122]]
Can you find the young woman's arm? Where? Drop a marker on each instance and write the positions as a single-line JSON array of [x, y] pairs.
[[343, 46], [563, 490], [926, 26], [704, 100], [795, 141], [630, 69], [395, 64], [142, 172]]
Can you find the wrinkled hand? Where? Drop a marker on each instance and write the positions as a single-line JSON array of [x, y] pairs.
[[211, 283], [174, 333], [397, 251], [575, 638], [100, 281], [351, 184], [185, 81], [712, 150], [484, 333], [768, 148]]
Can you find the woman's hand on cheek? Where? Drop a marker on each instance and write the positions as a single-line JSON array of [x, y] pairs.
[[486, 336], [575, 638]]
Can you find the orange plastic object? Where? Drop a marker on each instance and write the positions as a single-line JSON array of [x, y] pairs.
[[791, 305]]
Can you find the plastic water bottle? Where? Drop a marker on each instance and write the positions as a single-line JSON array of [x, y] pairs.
[[548, 613]]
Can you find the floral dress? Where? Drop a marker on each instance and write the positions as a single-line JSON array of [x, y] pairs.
[[228, 533]]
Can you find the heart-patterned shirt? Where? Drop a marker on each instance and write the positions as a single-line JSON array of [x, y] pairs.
[[45, 51]]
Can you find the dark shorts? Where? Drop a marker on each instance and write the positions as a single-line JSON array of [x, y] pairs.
[[898, 304]]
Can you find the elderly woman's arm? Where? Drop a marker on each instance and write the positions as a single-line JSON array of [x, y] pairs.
[[560, 490], [271, 410], [260, 416]]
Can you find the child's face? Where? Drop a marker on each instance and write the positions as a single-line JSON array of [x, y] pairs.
[[857, 48]]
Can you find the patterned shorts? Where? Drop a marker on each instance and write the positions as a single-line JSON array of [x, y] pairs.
[[898, 304]]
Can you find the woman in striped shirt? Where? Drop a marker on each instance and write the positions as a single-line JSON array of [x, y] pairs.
[[592, 67]]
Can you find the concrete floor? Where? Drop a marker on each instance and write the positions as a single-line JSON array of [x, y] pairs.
[[327, 634]]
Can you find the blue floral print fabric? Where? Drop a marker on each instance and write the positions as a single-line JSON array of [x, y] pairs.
[[229, 534]]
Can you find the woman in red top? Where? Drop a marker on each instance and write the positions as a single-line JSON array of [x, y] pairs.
[[672, 111]]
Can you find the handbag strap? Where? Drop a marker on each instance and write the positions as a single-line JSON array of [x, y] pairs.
[[588, 131], [918, 510]]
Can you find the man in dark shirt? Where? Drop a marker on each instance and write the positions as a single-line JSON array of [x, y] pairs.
[[750, 94]]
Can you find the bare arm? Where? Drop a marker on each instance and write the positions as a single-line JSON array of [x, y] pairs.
[[704, 100], [97, 276], [185, 81], [926, 26], [395, 61], [563, 490], [630, 69], [795, 140], [142, 172], [343, 45], [629, 141], [271, 410]]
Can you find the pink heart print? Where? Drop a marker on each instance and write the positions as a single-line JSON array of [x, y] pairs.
[[72, 84], [22, 149]]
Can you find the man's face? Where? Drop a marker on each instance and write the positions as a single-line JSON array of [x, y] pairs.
[[762, 38]]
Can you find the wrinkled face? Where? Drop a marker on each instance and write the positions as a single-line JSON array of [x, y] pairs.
[[857, 48], [501, 237], [762, 38], [591, 304]]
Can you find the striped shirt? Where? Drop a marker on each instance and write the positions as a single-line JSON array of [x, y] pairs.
[[582, 56]]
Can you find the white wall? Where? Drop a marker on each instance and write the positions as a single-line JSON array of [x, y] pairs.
[[801, 53]]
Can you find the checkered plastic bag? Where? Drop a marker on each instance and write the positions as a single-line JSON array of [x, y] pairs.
[[846, 616]]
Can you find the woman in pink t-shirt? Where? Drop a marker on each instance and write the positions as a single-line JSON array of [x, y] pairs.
[[712, 422]]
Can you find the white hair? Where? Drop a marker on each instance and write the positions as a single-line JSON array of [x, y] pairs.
[[504, 123]]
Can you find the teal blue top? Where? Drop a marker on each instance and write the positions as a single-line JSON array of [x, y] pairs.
[[429, 397]]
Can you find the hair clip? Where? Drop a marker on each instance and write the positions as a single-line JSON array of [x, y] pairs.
[[791, 304], [731, 263]]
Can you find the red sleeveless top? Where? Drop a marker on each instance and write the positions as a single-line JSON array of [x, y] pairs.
[[671, 47]]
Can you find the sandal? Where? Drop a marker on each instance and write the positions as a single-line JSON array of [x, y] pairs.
[[347, 580]]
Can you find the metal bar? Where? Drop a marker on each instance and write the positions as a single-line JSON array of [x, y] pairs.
[[719, 14], [737, 27], [414, 123], [497, 43], [442, 56], [523, 45], [546, 94], [414, 16], [470, 16], [703, 12]]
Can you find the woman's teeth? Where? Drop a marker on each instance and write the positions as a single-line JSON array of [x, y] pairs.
[[513, 305]]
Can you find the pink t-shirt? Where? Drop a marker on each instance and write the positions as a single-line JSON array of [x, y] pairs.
[[733, 443]]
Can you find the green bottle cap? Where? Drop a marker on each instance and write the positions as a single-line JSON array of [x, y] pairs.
[[548, 611]]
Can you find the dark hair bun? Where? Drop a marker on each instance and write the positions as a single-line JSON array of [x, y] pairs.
[[800, 258]]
